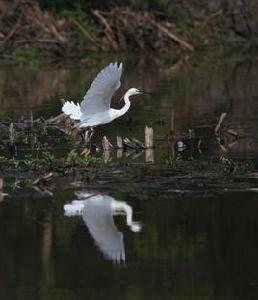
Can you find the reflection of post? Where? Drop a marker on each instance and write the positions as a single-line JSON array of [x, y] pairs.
[[119, 153], [2, 194], [172, 150], [119, 144], [106, 155], [46, 241], [149, 155], [172, 120], [171, 142]]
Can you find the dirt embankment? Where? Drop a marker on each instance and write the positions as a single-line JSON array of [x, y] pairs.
[[185, 26], [236, 18]]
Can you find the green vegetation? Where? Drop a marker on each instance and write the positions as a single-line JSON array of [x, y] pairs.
[[33, 156], [84, 30], [82, 159], [46, 161], [229, 166], [29, 56]]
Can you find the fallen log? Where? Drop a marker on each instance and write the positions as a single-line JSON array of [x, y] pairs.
[[175, 38], [133, 143], [221, 119]]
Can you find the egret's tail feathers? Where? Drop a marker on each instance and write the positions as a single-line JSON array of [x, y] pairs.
[[72, 110], [74, 208]]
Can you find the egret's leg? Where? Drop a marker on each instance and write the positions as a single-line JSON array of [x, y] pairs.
[[87, 136], [91, 132], [83, 134]]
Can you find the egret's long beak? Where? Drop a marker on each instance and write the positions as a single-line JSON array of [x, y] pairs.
[[145, 92]]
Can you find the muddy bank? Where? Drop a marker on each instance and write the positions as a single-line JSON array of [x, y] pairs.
[[195, 178], [30, 158]]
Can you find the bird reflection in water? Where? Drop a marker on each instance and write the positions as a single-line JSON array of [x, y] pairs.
[[97, 211]]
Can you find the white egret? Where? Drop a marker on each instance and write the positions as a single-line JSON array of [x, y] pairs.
[[97, 211], [95, 109]]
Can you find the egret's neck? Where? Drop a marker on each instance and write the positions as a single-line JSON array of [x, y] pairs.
[[119, 207], [127, 105]]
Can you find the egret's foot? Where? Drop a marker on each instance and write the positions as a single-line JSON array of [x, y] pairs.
[[86, 135]]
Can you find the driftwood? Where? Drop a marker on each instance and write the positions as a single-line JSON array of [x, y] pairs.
[[133, 143], [212, 16], [108, 30], [221, 119], [125, 29], [233, 133], [43, 191], [131, 147], [43, 178], [86, 34], [173, 37], [25, 22], [57, 119]]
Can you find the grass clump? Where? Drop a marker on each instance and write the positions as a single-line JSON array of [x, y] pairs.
[[229, 166], [83, 159]]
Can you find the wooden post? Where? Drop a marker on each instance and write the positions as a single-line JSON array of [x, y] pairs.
[[148, 137], [11, 134], [106, 144]]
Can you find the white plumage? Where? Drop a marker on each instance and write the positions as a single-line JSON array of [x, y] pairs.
[[97, 211], [95, 107], [72, 110]]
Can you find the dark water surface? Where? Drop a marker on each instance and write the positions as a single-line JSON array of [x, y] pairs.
[[176, 245], [188, 247]]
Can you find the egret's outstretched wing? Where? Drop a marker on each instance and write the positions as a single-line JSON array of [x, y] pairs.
[[98, 97], [98, 217]]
